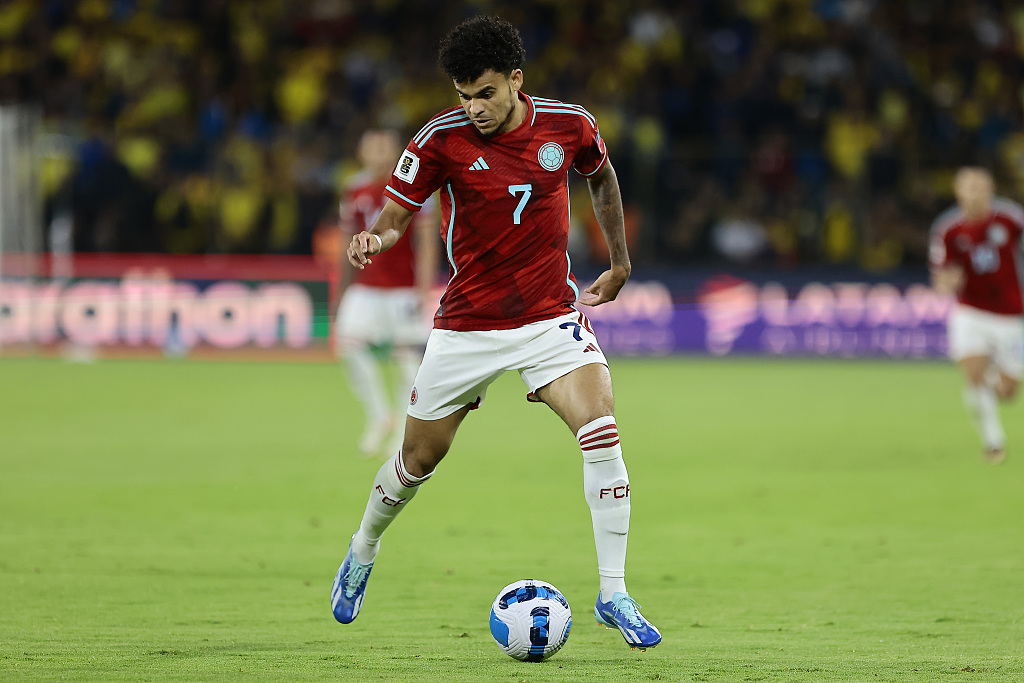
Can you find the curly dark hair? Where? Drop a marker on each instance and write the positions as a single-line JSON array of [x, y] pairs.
[[479, 44]]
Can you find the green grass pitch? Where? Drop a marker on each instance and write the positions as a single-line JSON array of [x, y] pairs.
[[791, 521]]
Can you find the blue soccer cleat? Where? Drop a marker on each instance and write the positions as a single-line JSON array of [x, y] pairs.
[[623, 613], [349, 588]]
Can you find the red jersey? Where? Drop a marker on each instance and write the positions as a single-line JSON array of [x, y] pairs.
[[989, 252], [504, 210], [363, 201]]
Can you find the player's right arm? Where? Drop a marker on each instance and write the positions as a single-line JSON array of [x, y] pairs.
[[947, 276], [382, 235], [947, 279]]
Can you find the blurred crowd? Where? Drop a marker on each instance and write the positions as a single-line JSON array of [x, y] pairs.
[[747, 132]]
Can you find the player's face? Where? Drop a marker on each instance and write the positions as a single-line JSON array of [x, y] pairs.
[[491, 100], [973, 190]]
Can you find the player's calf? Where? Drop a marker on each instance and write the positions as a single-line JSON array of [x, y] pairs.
[[606, 489]]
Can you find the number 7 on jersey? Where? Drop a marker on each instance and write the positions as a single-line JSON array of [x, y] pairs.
[[513, 190]]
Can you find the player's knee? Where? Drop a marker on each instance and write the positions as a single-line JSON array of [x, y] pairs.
[[348, 346], [422, 458], [596, 409], [975, 380], [1008, 389]]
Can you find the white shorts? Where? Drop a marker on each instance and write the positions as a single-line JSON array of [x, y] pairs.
[[458, 367], [382, 315], [974, 332]]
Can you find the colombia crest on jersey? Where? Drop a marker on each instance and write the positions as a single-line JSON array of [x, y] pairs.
[[504, 210]]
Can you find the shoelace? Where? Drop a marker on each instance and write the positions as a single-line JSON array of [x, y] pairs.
[[355, 575], [629, 609]]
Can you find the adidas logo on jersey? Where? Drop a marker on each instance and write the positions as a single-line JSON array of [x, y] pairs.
[[479, 165]]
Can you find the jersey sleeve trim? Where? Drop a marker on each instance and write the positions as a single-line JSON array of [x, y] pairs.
[[604, 160], [403, 200]]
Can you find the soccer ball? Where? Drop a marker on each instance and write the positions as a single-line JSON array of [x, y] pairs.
[[530, 620]]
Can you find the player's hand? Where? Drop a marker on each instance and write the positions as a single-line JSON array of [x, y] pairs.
[[362, 246], [606, 287], [948, 280]]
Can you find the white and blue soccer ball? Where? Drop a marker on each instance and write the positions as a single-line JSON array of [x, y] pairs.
[[530, 620]]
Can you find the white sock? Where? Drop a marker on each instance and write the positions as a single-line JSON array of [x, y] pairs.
[[367, 383], [393, 487], [606, 488], [985, 406]]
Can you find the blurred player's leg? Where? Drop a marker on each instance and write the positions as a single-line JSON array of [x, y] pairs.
[[367, 384], [1005, 386], [980, 397], [363, 320], [408, 360]]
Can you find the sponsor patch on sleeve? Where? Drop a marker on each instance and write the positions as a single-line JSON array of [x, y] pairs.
[[407, 167]]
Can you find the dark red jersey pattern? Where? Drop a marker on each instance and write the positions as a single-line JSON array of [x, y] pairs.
[[363, 200], [504, 210], [989, 252]]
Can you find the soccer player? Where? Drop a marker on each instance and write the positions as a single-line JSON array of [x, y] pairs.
[[975, 254], [383, 307], [501, 161]]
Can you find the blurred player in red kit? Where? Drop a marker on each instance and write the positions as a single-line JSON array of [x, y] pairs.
[[976, 254], [501, 162], [382, 308]]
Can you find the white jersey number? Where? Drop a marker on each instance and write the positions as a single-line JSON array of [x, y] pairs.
[[513, 190]]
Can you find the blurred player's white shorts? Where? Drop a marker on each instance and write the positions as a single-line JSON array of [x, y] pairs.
[[458, 367], [382, 315], [974, 332]]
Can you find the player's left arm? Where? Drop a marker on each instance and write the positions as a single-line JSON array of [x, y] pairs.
[[607, 200]]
